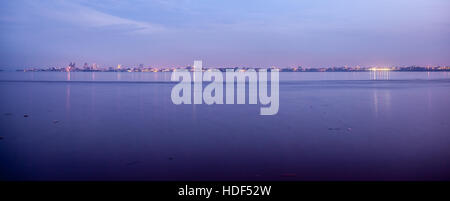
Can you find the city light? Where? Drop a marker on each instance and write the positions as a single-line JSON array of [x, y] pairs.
[[380, 69]]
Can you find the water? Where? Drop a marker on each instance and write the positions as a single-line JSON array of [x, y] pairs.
[[123, 126]]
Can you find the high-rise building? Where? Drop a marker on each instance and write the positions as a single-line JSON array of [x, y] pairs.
[[197, 74], [86, 66], [198, 65], [71, 66]]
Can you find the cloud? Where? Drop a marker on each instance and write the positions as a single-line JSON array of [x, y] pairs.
[[84, 16]]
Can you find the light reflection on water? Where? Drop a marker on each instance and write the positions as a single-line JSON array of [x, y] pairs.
[[380, 75], [333, 127]]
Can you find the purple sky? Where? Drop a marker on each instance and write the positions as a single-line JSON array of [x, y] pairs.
[[251, 33]]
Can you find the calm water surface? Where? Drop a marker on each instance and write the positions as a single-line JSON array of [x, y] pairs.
[[123, 126]]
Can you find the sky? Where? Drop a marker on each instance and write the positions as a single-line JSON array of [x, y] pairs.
[[225, 33]]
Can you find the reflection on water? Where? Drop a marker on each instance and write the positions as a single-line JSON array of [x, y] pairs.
[[379, 75], [388, 129], [165, 76], [375, 102], [381, 101], [68, 98]]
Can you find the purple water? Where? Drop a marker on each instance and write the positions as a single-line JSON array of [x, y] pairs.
[[123, 126]]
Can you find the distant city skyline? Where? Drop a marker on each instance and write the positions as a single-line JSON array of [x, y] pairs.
[[224, 33], [86, 67]]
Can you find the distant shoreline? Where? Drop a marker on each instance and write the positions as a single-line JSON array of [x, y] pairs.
[[224, 70]]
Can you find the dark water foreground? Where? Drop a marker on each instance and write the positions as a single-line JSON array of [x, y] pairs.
[[338, 129]]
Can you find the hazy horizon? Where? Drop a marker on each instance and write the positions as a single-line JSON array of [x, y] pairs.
[[224, 33]]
